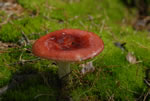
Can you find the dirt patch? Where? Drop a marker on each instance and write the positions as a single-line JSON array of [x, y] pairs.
[[10, 8]]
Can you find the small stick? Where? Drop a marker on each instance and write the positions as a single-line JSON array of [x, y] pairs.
[[147, 82], [42, 95], [25, 37], [145, 97], [24, 61]]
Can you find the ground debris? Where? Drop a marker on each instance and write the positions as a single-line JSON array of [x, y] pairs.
[[24, 42], [71, 1], [12, 1], [89, 98], [32, 41], [121, 46], [88, 67], [131, 58], [11, 8], [5, 46], [3, 89], [142, 23]]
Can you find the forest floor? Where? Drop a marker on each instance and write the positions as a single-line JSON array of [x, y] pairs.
[[122, 70]]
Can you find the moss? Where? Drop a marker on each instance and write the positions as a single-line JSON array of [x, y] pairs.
[[114, 76], [38, 91], [11, 32]]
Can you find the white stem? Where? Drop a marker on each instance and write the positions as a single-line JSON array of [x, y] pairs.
[[63, 69]]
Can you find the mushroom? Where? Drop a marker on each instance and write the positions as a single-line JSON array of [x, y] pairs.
[[67, 46]]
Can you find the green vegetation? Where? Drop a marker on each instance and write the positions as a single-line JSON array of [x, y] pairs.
[[114, 77]]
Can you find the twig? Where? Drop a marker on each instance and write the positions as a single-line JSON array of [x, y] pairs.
[[111, 66], [148, 84], [7, 20], [44, 79], [102, 27], [139, 99], [146, 95], [20, 57], [97, 75], [82, 24], [42, 95], [142, 46], [129, 90], [25, 38], [24, 61], [111, 98], [66, 74]]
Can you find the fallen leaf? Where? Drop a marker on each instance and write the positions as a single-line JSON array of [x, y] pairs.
[[131, 58], [86, 68]]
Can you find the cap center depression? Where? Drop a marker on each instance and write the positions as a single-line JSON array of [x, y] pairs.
[[65, 41]]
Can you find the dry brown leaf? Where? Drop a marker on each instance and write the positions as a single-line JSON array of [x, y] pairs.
[[86, 68], [131, 58]]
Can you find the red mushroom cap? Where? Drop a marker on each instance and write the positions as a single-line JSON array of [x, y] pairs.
[[68, 45]]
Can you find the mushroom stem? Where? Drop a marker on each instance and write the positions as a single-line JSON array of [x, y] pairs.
[[63, 73], [63, 69]]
